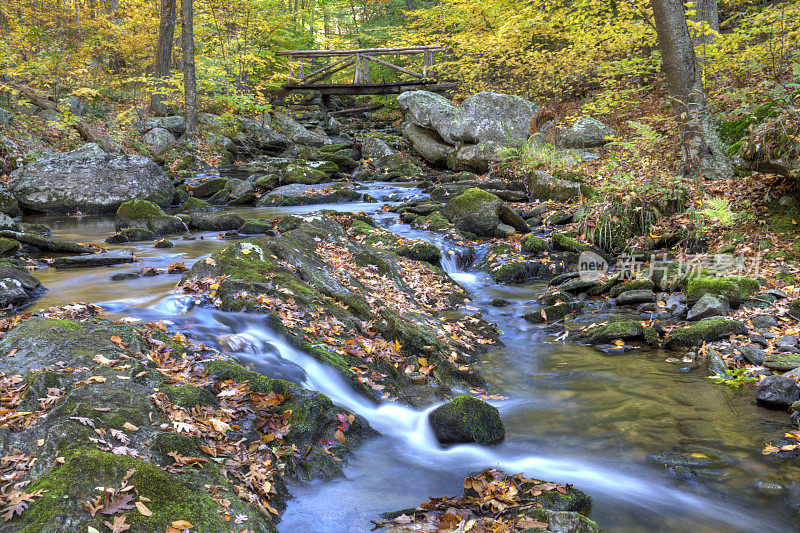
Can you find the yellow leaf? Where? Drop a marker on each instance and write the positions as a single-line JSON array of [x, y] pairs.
[[143, 509]]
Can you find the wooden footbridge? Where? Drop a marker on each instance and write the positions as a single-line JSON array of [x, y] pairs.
[[321, 79]]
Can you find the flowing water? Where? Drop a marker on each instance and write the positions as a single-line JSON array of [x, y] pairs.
[[572, 415]]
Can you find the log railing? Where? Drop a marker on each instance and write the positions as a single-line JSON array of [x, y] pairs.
[[361, 59]]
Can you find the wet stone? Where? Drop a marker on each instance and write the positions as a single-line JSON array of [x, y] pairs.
[[112, 257]]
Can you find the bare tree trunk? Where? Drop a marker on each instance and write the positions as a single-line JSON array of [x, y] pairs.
[[189, 75], [706, 11], [166, 37], [703, 152]]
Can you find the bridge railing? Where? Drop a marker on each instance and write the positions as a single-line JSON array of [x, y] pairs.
[[360, 59]]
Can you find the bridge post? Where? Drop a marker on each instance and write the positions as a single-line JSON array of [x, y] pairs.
[[357, 79], [365, 69]]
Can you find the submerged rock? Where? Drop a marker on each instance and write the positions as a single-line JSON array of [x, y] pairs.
[[90, 181], [466, 419], [111, 257]]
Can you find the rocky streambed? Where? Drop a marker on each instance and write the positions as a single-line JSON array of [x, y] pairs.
[[294, 345]]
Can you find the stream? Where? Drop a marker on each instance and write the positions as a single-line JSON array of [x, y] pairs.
[[573, 414]]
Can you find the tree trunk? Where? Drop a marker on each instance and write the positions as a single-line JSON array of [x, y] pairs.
[[166, 36], [703, 152], [189, 76], [706, 11]]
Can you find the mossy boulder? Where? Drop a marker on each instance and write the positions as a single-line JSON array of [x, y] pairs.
[[434, 222], [531, 244], [8, 246], [553, 313], [509, 272], [707, 330], [9, 205], [568, 244], [735, 289], [195, 205], [420, 251], [131, 235], [303, 175], [466, 419], [142, 214], [480, 212], [208, 188], [615, 329], [634, 285], [256, 226]]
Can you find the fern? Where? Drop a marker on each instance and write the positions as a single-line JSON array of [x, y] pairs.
[[718, 210]]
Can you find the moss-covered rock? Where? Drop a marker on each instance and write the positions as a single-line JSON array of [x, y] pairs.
[[481, 212], [142, 214], [708, 330], [304, 175], [216, 221], [256, 226], [434, 222], [8, 246], [195, 205], [208, 188], [733, 288], [467, 419], [553, 313], [131, 235], [615, 329], [420, 251], [509, 272], [534, 245], [568, 244]]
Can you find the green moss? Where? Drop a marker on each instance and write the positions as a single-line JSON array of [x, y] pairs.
[[534, 245], [194, 205], [467, 419], [434, 222], [164, 443], [735, 289], [420, 251], [189, 395], [139, 208], [733, 131], [635, 285], [228, 370], [619, 329], [302, 175], [708, 330], [510, 272], [170, 498], [553, 313], [8, 245]]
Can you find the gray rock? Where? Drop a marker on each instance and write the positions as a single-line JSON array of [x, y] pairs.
[[636, 297], [764, 321], [676, 304], [427, 143], [782, 361], [74, 105], [543, 186], [717, 366], [430, 111], [90, 181], [777, 392], [216, 221], [7, 223], [158, 139], [373, 147], [753, 353], [259, 136], [176, 125], [297, 133], [5, 117], [708, 306], [786, 342], [47, 244], [17, 287], [111, 257], [587, 132]]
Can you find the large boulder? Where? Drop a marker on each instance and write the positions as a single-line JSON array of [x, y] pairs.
[[466, 419], [90, 181], [544, 186], [475, 132], [158, 139], [481, 212], [140, 213], [778, 392], [259, 135], [587, 132], [176, 124], [430, 111], [428, 144], [297, 133]]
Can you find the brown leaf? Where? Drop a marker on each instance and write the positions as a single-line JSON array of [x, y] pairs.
[[120, 502], [119, 525], [143, 509]]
